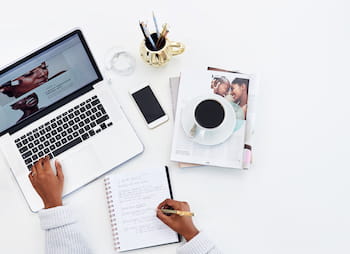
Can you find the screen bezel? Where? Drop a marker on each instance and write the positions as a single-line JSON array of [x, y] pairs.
[[86, 88], [157, 121]]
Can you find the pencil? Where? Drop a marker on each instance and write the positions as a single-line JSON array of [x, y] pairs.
[[178, 212]]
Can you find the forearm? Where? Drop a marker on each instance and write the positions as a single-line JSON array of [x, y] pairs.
[[200, 244], [62, 234]]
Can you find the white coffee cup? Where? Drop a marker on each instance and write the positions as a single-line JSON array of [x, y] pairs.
[[209, 115], [209, 128]]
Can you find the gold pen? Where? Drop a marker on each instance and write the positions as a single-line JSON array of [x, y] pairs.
[[178, 212], [161, 37], [165, 27], [165, 34]]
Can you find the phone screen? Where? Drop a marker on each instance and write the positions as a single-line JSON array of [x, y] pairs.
[[148, 104]]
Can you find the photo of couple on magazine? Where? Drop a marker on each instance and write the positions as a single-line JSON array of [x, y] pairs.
[[234, 90]]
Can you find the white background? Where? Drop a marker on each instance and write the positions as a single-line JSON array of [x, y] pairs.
[[295, 198]]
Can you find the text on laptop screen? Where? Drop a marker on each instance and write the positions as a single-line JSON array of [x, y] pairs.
[[43, 80]]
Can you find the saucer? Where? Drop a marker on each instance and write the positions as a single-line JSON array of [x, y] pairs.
[[206, 136]]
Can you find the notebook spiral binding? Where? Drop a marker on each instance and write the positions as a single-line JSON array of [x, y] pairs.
[[111, 210]]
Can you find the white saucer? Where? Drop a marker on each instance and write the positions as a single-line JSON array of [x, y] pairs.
[[207, 136]]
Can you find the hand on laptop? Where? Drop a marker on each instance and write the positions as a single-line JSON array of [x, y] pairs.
[[47, 184], [181, 224]]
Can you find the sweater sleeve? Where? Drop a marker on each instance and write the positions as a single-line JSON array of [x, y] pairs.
[[61, 232], [200, 244]]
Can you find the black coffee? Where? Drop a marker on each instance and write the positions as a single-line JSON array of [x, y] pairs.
[[209, 114]]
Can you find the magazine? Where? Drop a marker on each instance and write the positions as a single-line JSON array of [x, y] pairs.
[[239, 90]]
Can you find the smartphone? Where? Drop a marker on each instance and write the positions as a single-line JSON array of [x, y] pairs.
[[148, 105]]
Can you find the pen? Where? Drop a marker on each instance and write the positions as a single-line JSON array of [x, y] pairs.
[[148, 36], [163, 34], [143, 30], [178, 212], [155, 24], [160, 38]]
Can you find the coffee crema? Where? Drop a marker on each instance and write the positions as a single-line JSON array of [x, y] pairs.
[[209, 114]]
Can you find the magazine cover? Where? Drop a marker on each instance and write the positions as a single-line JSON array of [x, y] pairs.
[[228, 150]]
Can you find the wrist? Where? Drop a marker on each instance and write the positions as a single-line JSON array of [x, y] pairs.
[[51, 204], [190, 234]]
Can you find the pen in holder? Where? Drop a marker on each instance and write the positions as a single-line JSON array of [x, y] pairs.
[[162, 53]]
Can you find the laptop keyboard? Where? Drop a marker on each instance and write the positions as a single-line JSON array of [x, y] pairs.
[[64, 132]]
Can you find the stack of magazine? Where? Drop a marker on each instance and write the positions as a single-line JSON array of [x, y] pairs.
[[240, 91]]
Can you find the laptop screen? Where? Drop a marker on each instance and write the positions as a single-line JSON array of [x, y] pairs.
[[44, 78]]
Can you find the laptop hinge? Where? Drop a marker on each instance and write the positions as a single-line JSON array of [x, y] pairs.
[[98, 85]]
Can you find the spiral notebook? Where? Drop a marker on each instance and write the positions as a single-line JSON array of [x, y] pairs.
[[132, 199]]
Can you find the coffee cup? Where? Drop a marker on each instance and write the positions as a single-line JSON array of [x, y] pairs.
[[209, 114]]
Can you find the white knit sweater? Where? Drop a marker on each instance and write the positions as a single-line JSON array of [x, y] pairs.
[[62, 235]]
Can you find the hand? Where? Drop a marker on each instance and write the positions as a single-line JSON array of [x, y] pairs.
[[213, 82], [48, 185], [181, 224], [216, 86]]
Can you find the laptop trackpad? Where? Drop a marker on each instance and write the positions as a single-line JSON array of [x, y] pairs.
[[79, 167]]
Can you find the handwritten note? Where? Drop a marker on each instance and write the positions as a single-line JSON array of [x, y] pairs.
[[136, 196]]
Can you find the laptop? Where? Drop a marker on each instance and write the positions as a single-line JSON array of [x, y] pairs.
[[54, 102]]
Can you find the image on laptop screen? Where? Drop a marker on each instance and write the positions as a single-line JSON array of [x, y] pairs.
[[44, 79]]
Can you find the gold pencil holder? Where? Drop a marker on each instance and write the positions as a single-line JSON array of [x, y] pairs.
[[160, 57]]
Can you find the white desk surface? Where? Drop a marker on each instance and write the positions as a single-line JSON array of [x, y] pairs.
[[295, 198]]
